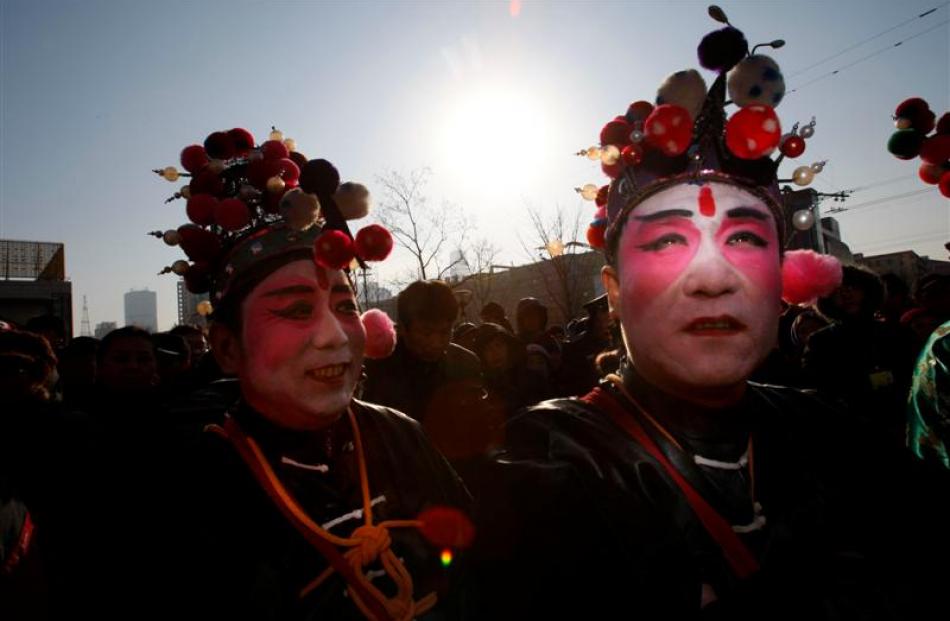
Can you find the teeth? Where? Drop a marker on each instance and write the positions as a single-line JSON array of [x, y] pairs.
[[334, 370]]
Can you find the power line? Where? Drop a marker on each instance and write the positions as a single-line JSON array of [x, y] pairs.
[[868, 40], [868, 57], [881, 201], [903, 240]]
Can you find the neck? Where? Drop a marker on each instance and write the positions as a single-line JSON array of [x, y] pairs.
[[713, 397]]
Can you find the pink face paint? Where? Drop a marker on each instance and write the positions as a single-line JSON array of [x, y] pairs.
[[322, 278], [707, 204]]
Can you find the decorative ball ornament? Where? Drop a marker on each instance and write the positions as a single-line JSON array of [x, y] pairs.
[[636, 136], [756, 80], [944, 184], [612, 170], [803, 219], [197, 278], [609, 155], [753, 132], [930, 173], [792, 146], [352, 199], [179, 267], [588, 192], [373, 243], [596, 236], [903, 123], [380, 334], [807, 276], [243, 141], [300, 209], [206, 182], [275, 134], [170, 173], [291, 144], [216, 166], [669, 128], [593, 153], [204, 308], [943, 125], [275, 185], [817, 167], [232, 214], [935, 149], [220, 145], [333, 250], [602, 195], [918, 113], [905, 144], [200, 209], [632, 154], [171, 237], [638, 111], [616, 132], [684, 88], [194, 158], [185, 191], [722, 49], [803, 175], [807, 131], [274, 150], [201, 245]]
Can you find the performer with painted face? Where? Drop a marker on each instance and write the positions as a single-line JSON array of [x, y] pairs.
[[306, 503], [677, 486]]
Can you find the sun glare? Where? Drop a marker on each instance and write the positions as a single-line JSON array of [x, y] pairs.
[[495, 135]]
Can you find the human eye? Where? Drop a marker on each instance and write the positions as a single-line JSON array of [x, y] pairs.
[[670, 239], [347, 307], [744, 238], [299, 310]]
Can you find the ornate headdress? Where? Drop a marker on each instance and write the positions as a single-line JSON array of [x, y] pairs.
[[685, 137], [915, 120], [254, 208]]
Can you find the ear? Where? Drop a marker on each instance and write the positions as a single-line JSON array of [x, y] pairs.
[[226, 347], [608, 275]]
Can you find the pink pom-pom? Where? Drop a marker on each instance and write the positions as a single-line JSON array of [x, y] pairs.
[[807, 276], [380, 334]]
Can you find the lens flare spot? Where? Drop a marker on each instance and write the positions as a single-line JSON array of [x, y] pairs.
[[446, 557]]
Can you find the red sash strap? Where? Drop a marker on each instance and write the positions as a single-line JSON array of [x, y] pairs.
[[737, 554], [287, 506], [21, 548]]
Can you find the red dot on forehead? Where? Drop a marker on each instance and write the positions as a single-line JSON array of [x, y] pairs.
[[707, 204]]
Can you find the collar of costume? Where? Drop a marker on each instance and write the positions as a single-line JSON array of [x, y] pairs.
[[685, 136]]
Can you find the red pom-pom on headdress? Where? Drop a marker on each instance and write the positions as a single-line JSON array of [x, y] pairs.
[[807, 276], [380, 334]]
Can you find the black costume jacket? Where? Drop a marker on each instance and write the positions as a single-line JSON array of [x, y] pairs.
[[582, 522]]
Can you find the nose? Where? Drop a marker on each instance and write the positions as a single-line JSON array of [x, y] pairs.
[[710, 275], [328, 333]]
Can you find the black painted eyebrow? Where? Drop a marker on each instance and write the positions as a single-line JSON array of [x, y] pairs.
[[342, 289], [291, 290], [667, 213], [747, 212]]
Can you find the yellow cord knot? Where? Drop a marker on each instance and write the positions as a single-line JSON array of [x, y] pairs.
[[373, 541]]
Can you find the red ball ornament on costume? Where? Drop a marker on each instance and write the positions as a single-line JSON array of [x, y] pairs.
[[380, 334], [595, 236], [632, 154], [274, 150], [944, 184], [601, 213], [753, 132], [616, 132], [936, 149], [232, 214], [601, 199], [793, 146], [259, 171], [931, 173], [669, 128], [446, 527], [298, 158], [373, 243], [333, 250], [943, 125], [200, 208], [638, 111], [194, 158], [918, 112], [206, 182], [198, 243], [288, 170], [220, 146], [243, 140], [197, 278]]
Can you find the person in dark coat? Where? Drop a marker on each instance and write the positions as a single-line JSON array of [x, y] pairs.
[[678, 489], [579, 373]]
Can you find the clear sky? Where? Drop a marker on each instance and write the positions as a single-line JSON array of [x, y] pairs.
[[94, 94]]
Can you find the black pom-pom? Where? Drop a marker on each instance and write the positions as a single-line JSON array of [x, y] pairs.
[[220, 145], [721, 50], [905, 144], [319, 177]]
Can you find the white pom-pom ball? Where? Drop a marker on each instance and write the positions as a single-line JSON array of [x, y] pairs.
[[684, 88], [756, 80]]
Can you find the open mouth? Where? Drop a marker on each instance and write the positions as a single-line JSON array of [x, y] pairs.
[[328, 373], [715, 326]]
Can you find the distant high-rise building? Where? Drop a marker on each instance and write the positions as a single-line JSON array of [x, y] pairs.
[[33, 282], [188, 306], [104, 327], [141, 309]]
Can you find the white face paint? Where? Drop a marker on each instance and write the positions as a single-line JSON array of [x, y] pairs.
[[698, 287]]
